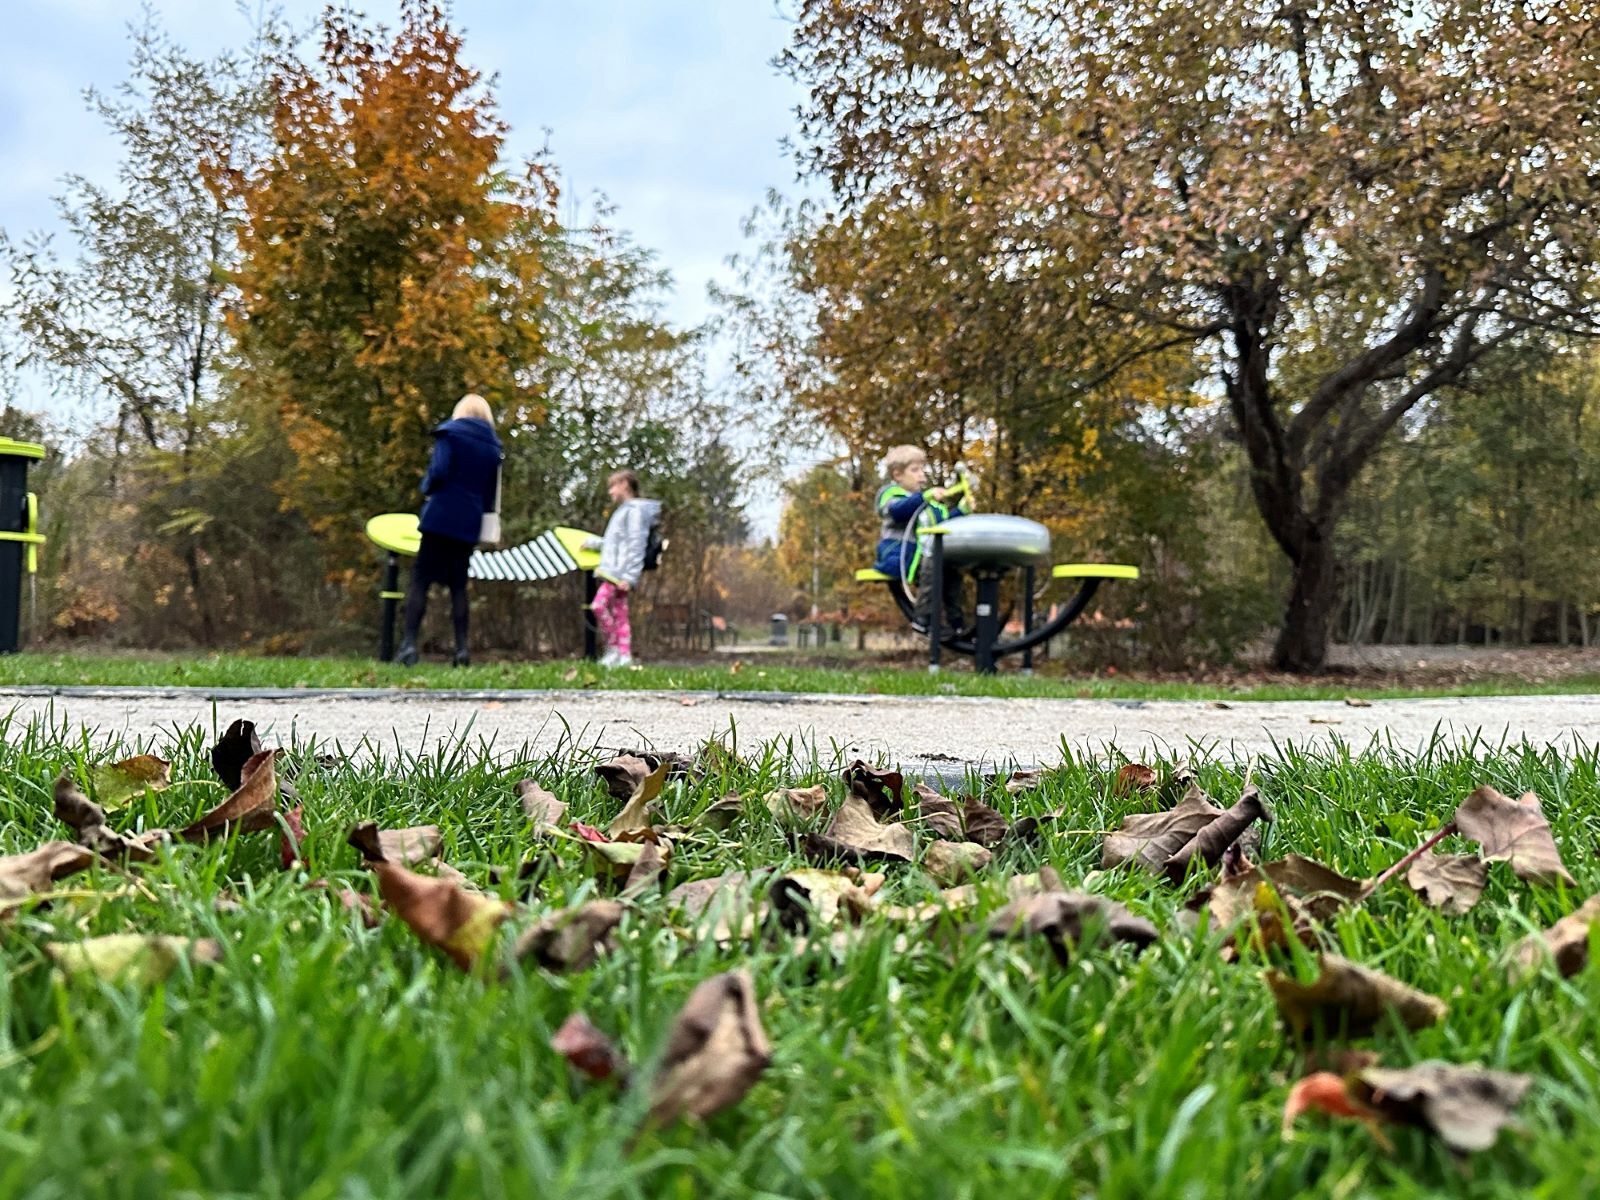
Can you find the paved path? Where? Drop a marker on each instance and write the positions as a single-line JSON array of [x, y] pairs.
[[908, 730]]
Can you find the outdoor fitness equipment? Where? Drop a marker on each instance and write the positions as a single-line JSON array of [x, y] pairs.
[[989, 546], [553, 553], [20, 538]]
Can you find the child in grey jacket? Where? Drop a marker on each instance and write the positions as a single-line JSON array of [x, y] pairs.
[[621, 564]]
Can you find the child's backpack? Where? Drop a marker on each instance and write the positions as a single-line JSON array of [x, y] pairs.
[[654, 544]]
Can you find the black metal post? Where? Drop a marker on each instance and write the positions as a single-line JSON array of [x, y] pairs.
[[935, 581], [591, 632], [390, 598], [1027, 617], [988, 619]]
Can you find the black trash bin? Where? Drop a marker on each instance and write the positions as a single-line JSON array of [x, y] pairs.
[[19, 534]]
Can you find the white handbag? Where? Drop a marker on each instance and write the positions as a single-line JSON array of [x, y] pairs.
[[489, 530]]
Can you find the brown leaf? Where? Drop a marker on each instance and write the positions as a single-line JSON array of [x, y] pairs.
[[1326, 1092], [1023, 781], [1452, 882], [1150, 839], [940, 815], [951, 863], [88, 823], [715, 1052], [1045, 879], [645, 782], [588, 1050], [983, 824], [1134, 777], [409, 846], [540, 807], [1209, 842], [1466, 1107], [252, 807], [350, 901], [1319, 890], [646, 872], [805, 896], [879, 787], [1567, 941], [722, 814], [1513, 831], [74, 809], [130, 957], [21, 875], [695, 897], [443, 914], [115, 784], [1066, 919], [795, 806], [237, 746], [1350, 998], [857, 830], [573, 938]]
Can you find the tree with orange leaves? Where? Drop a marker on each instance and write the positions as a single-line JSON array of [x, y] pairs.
[[389, 263]]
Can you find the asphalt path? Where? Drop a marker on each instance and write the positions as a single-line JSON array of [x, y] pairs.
[[935, 733]]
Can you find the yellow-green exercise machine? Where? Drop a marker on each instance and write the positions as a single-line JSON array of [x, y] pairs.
[[20, 538], [553, 553]]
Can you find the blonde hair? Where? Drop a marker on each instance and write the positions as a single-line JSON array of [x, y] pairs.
[[472, 405], [901, 457]]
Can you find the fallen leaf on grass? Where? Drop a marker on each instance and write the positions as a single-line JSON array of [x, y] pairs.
[[1023, 781], [952, 863], [1349, 998], [461, 923], [1567, 942], [114, 784], [715, 1052], [253, 805], [1513, 831], [350, 901], [1465, 1106], [1133, 777], [540, 807], [573, 938], [21, 875], [1066, 919], [1318, 891], [614, 859], [410, 846], [806, 895], [1150, 839], [634, 781], [237, 746], [87, 820], [855, 836], [1210, 841], [646, 872], [982, 824], [879, 787], [1452, 882], [721, 815], [940, 815], [794, 806], [130, 957], [588, 1050], [294, 833], [1325, 1092]]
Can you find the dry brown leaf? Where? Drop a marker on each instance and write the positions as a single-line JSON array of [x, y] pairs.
[[952, 863], [416, 844], [573, 938], [1320, 891], [805, 896], [252, 807], [22, 875], [1133, 777], [1466, 1107], [645, 782], [856, 836], [1350, 998], [588, 1050], [796, 806], [462, 923], [1066, 919], [1150, 839], [541, 807], [940, 815], [1452, 882], [1210, 842], [1327, 1092], [1513, 831], [88, 823], [237, 746], [130, 957], [983, 824], [1023, 781], [880, 787], [715, 1052], [1567, 942], [646, 872], [114, 784], [721, 815]]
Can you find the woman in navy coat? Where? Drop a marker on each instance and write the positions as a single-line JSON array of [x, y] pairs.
[[460, 487]]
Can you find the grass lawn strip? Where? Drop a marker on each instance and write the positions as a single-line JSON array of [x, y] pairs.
[[318, 1053]]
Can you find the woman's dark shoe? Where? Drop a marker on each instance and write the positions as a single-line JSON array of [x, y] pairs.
[[407, 656], [462, 659]]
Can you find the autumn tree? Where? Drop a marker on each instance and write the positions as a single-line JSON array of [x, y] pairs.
[[1340, 208], [390, 263]]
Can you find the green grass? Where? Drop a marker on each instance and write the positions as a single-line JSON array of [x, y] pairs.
[[320, 1059], [756, 673]]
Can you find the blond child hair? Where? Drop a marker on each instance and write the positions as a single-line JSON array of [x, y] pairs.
[[901, 457]]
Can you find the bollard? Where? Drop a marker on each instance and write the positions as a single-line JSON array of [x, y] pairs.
[[780, 630], [19, 535]]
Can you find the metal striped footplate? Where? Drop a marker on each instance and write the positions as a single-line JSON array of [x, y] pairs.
[[543, 558]]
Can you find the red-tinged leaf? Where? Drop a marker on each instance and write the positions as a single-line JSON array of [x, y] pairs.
[[293, 835], [1328, 1093], [251, 808], [1134, 777], [587, 832], [588, 1050]]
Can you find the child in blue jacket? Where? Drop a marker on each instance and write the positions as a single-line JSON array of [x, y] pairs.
[[897, 505]]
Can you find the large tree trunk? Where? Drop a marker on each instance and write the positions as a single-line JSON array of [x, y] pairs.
[[1303, 639]]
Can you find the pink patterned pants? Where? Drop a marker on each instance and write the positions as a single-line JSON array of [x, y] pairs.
[[611, 615]]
